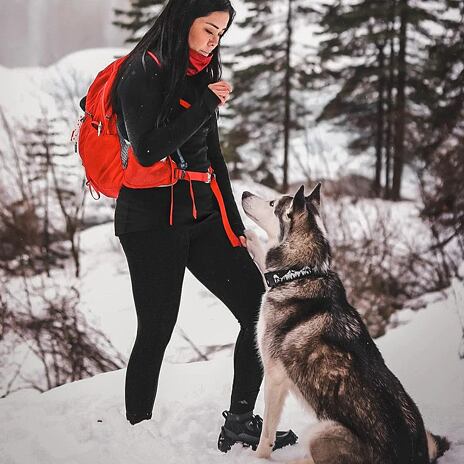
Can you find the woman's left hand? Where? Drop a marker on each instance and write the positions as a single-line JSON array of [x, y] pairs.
[[243, 241], [222, 89]]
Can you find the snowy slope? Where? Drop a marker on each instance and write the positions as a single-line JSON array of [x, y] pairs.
[[84, 422], [27, 92]]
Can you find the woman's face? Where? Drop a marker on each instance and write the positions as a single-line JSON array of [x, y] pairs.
[[206, 32]]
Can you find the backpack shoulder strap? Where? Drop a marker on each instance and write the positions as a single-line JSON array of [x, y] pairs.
[[153, 56]]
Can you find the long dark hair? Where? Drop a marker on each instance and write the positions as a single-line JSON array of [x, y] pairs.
[[168, 39]]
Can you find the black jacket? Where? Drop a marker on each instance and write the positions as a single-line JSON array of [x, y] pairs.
[[193, 131]]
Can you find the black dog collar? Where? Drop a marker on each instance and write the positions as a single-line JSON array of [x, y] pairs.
[[275, 278]]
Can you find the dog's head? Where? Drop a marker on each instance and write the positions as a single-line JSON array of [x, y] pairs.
[[293, 221], [279, 217]]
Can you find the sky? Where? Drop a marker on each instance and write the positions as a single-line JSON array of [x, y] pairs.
[[40, 32]]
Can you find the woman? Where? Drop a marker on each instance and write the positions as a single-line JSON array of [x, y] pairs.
[[166, 98]]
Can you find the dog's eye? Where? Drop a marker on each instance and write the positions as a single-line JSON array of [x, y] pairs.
[[271, 203]]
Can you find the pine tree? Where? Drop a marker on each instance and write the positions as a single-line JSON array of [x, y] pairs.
[[55, 190], [138, 17], [268, 86], [388, 128], [440, 141], [374, 54], [39, 145], [358, 33]]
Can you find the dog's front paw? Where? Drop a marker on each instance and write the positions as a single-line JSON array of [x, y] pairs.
[[264, 449]]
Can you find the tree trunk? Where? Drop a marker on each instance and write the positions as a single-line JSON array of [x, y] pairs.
[[390, 109], [400, 113], [46, 232], [380, 122], [287, 117]]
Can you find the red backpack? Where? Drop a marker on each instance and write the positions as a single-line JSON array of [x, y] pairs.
[[99, 144]]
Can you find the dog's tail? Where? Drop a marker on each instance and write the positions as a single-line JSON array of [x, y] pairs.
[[437, 446]]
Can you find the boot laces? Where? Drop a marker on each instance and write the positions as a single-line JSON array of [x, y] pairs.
[[256, 423]]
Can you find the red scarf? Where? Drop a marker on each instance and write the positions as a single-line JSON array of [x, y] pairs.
[[197, 62]]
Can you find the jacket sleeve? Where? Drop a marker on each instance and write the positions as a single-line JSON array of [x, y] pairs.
[[219, 165], [140, 98]]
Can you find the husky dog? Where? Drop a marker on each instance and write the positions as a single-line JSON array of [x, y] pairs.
[[313, 343]]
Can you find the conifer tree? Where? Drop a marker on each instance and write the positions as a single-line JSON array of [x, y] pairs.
[[39, 146], [360, 34], [56, 190], [382, 51], [269, 82], [138, 17], [440, 135]]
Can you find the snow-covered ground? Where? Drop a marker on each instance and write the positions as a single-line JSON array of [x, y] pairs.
[[83, 422]]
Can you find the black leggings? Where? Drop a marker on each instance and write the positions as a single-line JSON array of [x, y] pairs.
[[157, 261]]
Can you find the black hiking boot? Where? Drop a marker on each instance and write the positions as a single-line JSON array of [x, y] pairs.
[[246, 429]]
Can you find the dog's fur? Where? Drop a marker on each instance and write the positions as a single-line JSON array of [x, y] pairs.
[[314, 343]]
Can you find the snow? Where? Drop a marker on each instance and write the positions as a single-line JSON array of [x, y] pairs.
[[26, 92], [84, 421]]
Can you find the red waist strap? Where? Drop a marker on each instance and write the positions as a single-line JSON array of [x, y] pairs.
[[208, 178], [234, 240]]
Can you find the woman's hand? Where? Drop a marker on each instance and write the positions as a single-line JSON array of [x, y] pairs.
[[222, 89], [243, 240], [254, 248]]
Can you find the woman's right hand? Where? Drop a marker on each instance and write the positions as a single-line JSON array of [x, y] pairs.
[[222, 90]]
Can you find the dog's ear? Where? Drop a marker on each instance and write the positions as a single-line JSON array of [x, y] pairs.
[[299, 202], [315, 195]]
